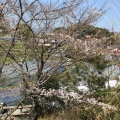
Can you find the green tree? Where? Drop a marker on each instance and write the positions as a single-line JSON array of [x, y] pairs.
[[24, 31]]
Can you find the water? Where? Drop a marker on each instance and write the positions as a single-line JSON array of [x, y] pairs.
[[10, 72], [10, 100], [13, 70]]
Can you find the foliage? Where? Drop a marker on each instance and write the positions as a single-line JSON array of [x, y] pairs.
[[83, 30], [52, 83], [49, 88], [92, 75], [114, 39], [4, 29], [100, 63], [24, 31], [95, 31], [59, 29], [83, 111]]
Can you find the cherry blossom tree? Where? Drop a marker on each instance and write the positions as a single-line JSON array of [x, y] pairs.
[[33, 25]]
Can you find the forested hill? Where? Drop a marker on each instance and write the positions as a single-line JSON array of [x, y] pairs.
[[81, 31]]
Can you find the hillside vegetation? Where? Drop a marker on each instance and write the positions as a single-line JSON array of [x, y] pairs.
[[81, 30]]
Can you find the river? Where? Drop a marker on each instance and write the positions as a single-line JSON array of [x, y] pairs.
[[13, 94]]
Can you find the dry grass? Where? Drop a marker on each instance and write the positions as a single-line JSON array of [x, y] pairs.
[[83, 112]]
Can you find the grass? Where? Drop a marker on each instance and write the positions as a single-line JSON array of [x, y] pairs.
[[17, 51], [83, 112]]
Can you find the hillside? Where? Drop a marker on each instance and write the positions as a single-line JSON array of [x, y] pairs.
[[81, 31]]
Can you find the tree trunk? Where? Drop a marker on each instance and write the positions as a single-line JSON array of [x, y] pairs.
[[36, 111]]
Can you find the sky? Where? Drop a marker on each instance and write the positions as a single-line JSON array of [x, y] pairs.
[[111, 20]]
